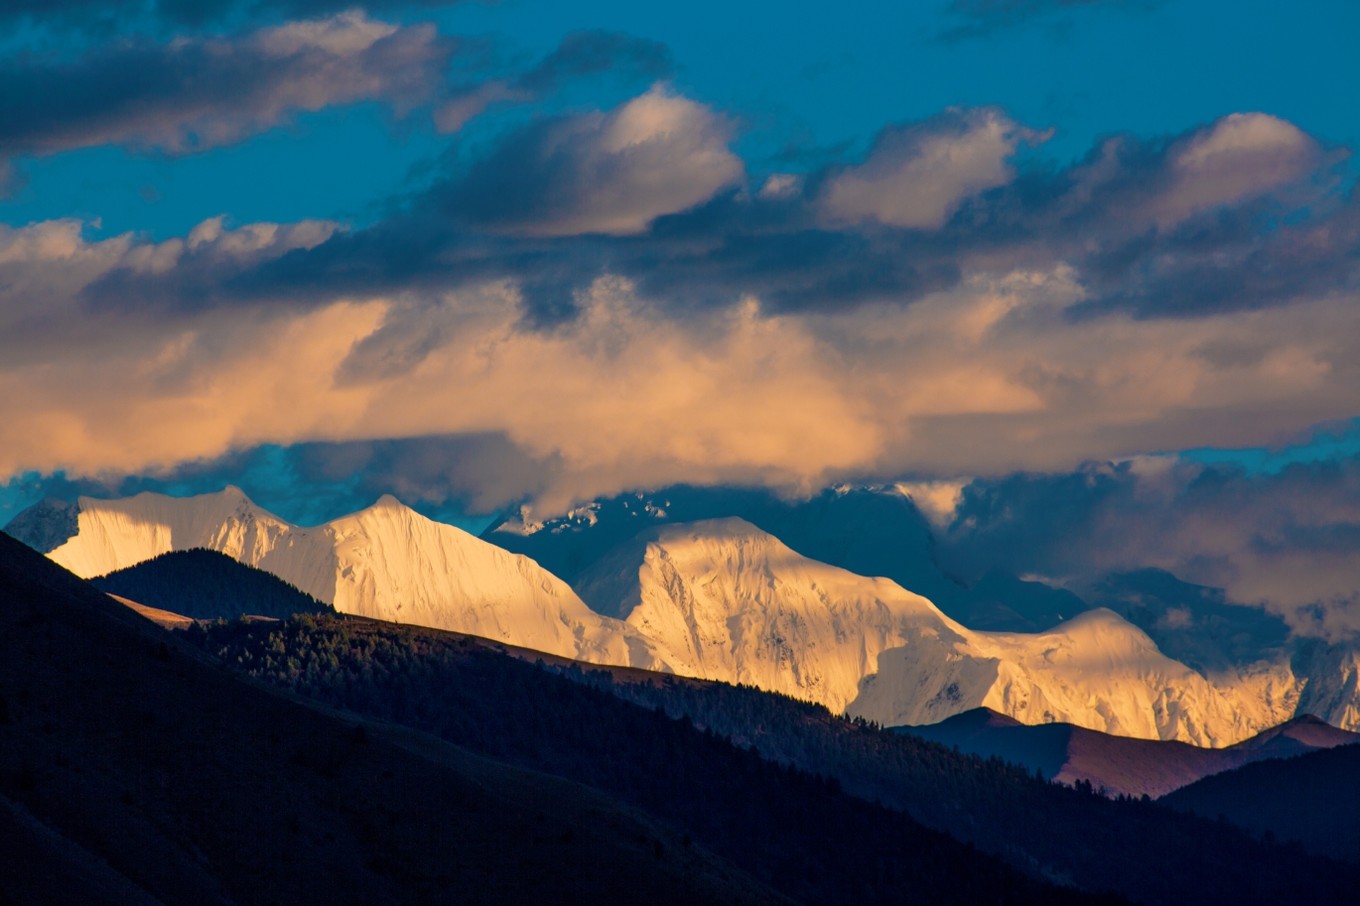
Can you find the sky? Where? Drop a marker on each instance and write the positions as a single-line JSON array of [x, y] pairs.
[[481, 254]]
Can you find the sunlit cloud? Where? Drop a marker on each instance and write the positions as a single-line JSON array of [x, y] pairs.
[[981, 380], [917, 176], [612, 172]]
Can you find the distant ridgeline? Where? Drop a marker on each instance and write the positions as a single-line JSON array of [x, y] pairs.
[[207, 585]]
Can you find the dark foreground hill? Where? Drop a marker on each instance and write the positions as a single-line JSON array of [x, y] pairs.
[[1120, 765], [1312, 800], [134, 769], [796, 832], [222, 588], [792, 831]]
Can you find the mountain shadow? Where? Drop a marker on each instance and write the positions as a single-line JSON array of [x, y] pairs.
[[794, 831]]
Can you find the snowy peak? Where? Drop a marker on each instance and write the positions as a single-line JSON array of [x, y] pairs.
[[722, 599], [387, 562], [113, 534], [719, 599]]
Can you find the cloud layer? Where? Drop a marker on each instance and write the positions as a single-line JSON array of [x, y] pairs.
[[604, 292], [989, 376]]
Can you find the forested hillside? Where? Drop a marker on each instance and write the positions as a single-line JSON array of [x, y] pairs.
[[688, 753], [223, 588]]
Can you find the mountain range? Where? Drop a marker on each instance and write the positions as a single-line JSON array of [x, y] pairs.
[[1119, 765], [723, 599], [138, 768]]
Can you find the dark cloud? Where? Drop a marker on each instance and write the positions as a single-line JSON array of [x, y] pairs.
[[1235, 261], [580, 55], [197, 93], [1284, 540], [109, 15], [590, 53], [1245, 213], [467, 473], [461, 479], [611, 173], [982, 18]]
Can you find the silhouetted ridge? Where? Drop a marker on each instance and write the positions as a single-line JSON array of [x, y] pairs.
[[208, 585], [790, 829], [794, 833], [1312, 800], [133, 768], [1120, 764]]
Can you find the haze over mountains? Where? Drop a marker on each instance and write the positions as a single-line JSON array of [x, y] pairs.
[[719, 598]]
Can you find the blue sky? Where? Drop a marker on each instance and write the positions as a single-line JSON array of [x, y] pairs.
[[817, 84], [487, 253]]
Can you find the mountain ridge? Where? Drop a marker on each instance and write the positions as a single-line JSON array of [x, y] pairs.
[[1120, 765], [698, 599]]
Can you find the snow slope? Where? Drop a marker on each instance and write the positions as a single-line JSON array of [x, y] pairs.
[[721, 599], [386, 562]]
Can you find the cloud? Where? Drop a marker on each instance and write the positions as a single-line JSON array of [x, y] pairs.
[[196, 93], [1242, 156], [611, 173], [1285, 541], [917, 176], [579, 55], [983, 18], [602, 294], [553, 205], [984, 378], [47, 269], [109, 15]]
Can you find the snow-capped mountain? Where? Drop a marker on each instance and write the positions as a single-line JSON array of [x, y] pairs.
[[386, 562], [872, 531], [721, 599]]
